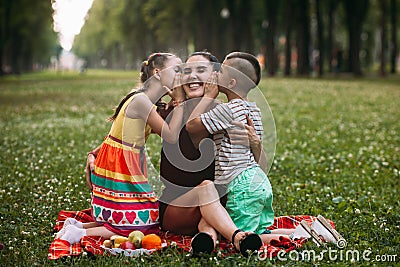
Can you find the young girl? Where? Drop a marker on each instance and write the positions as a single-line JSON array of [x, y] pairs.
[[122, 198]]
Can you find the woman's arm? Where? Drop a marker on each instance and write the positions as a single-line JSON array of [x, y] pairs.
[[91, 157]]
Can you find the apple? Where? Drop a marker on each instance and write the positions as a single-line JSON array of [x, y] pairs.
[[108, 243], [136, 238], [127, 245]]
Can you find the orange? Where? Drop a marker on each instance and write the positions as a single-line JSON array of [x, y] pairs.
[[151, 241]]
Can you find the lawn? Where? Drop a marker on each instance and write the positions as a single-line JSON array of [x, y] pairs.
[[337, 154]]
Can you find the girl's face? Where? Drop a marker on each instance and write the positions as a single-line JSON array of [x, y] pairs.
[[167, 74], [196, 72]]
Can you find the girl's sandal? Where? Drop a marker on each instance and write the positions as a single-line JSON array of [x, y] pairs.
[[252, 242], [202, 243]]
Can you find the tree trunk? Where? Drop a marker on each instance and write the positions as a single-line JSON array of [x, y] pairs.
[[393, 46], [246, 26], [271, 14], [330, 46], [231, 26], [320, 39], [288, 30], [303, 38], [202, 27], [382, 68], [356, 11]]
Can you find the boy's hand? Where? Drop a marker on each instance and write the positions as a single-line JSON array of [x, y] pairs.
[[211, 86]]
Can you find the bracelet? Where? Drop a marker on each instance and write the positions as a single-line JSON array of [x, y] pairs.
[[177, 103], [92, 153]]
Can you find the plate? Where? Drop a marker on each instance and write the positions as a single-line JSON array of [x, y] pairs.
[[131, 252]]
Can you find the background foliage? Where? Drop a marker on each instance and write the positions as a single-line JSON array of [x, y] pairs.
[[293, 36]]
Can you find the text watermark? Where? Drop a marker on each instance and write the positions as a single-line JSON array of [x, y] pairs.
[[351, 255]]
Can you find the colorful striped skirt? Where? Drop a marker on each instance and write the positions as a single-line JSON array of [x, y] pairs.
[[122, 198]]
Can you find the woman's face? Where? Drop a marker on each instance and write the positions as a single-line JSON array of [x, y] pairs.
[[167, 74], [196, 72]]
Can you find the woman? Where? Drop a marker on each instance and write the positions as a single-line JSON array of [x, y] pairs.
[[122, 199], [189, 192]]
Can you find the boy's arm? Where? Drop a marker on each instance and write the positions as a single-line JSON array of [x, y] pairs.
[[194, 125]]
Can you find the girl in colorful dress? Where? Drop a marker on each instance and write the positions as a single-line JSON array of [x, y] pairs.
[[122, 198]]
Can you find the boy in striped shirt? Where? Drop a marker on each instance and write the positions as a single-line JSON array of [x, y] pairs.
[[249, 191]]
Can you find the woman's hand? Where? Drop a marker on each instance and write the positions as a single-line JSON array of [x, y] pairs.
[[244, 134], [89, 168], [247, 135], [211, 86]]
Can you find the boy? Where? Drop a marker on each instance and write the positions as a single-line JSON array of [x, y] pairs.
[[249, 191]]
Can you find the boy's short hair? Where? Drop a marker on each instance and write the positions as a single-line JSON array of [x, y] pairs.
[[252, 60]]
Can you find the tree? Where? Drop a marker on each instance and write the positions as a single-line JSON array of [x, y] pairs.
[[330, 44], [26, 38], [393, 46], [320, 38], [271, 8], [382, 69], [246, 26], [288, 33], [303, 37], [356, 12]]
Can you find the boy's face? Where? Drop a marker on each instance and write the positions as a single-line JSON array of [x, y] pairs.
[[224, 76]]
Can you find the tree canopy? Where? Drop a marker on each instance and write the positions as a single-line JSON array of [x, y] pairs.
[[290, 37], [27, 39]]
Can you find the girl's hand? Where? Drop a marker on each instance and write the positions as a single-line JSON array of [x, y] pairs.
[[176, 93], [211, 86]]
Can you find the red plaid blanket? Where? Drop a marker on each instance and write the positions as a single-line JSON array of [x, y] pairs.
[[92, 244]]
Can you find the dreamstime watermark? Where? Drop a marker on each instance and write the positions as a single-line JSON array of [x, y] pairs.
[[350, 255]]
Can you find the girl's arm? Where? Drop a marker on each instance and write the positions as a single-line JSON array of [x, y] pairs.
[[142, 107], [91, 157]]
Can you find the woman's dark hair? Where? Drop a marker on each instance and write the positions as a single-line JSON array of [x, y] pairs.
[[209, 56], [155, 60], [250, 58]]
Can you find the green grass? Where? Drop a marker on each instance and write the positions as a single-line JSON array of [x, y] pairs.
[[337, 154]]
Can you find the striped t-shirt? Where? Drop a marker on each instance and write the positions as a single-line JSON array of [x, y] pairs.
[[231, 159]]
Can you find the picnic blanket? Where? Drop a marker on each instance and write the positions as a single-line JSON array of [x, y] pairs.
[[92, 244]]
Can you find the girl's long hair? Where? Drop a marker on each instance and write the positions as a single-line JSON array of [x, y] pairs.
[[155, 60]]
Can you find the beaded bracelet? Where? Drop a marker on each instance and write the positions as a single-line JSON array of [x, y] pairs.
[[177, 103]]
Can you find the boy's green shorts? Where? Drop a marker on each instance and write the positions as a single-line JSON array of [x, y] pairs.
[[250, 201]]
